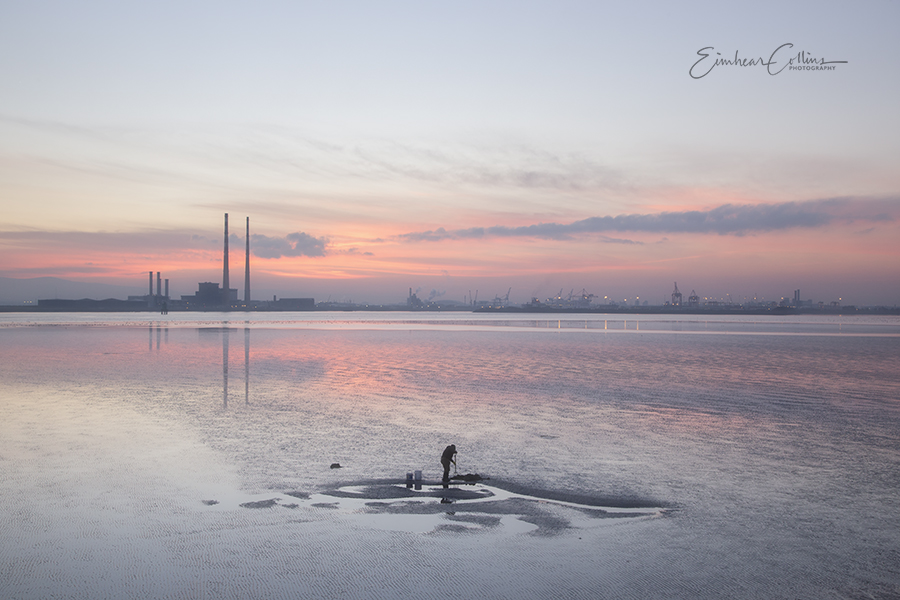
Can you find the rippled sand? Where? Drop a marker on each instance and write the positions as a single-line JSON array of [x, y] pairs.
[[159, 517]]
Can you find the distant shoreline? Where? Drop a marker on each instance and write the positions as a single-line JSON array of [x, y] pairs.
[[669, 310], [633, 310]]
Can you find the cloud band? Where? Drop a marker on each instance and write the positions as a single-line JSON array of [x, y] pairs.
[[728, 219]]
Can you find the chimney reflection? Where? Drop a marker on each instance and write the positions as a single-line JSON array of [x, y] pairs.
[[159, 333], [225, 332], [246, 365]]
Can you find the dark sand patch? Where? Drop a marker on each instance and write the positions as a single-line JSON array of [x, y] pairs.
[[486, 513], [551, 512], [453, 529], [481, 520], [260, 504], [620, 501]]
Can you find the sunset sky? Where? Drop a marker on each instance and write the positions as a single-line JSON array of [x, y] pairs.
[[449, 147]]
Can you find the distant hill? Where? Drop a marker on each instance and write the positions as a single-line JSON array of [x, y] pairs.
[[16, 291]]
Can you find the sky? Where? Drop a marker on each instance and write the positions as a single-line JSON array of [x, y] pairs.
[[529, 147]]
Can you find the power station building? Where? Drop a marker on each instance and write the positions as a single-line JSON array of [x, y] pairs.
[[157, 300], [209, 296]]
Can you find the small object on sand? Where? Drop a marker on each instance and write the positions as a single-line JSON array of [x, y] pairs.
[[210, 502], [446, 501], [336, 466]]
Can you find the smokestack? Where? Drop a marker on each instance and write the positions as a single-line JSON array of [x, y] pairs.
[[167, 287], [226, 285], [158, 283], [247, 266], [151, 285]]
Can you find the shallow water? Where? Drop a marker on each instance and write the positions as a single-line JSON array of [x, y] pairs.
[[767, 450]]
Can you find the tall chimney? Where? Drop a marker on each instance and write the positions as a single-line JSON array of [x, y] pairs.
[[167, 287], [151, 285], [226, 285], [247, 267], [158, 283]]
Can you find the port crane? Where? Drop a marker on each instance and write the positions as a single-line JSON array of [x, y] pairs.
[[693, 299], [499, 301]]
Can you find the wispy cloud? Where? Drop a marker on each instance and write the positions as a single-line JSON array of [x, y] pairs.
[[151, 241], [728, 219], [160, 242], [238, 156], [515, 167]]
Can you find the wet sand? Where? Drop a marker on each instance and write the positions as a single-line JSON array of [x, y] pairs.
[[676, 467], [162, 517]]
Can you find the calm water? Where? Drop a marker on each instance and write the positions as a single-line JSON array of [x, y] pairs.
[[773, 443]]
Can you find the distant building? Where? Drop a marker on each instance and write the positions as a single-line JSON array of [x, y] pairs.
[[152, 300], [208, 296], [413, 301], [292, 304]]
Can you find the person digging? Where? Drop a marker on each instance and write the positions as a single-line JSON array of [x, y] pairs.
[[446, 458]]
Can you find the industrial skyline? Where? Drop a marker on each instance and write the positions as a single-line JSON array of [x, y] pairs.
[[210, 296], [455, 148]]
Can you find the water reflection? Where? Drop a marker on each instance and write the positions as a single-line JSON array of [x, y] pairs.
[[162, 335], [246, 365], [225, 332], [225, 335]]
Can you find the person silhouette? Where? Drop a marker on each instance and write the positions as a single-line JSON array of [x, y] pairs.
[[446, 458]]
